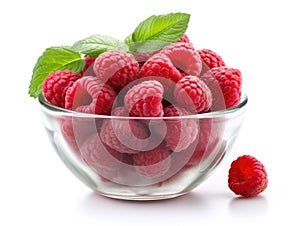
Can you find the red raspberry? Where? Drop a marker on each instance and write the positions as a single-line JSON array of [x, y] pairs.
[[230, 83], [142, 57], [89, 94], [180, 132], [88, 68], [210, 134], [192, 93], [104, 160], [160, 65], [247, 176], [56, 84], [207, 140], [77, 130], [210, 58], [184, 57], [145, 99], [124, 135], [153, 163], [184, 38], [66, 126], [117, 68]]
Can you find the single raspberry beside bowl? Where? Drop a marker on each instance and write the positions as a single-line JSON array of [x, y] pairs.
[[90, 95], [56, 84], [247, 176], [145, 99], [117, 68], [192, 93]]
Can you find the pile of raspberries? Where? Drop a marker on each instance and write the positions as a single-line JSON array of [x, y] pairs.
[[177, 80]]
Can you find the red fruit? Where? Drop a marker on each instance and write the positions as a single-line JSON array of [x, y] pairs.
[[192, 93], [208, 139], [56, 84], [89, 94], [184, 57], [142, 57], [161, 66], [124, 135], [209, 136], [184, 38], [104, 160], [76, 130], [210, 58], [218, 100], [230, 82], [89, 61], [181, 132], [66, 126], [247, 176], [116, 68], [145, 99], [153, 163]]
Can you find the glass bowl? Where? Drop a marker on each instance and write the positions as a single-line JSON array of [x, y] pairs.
[[199, 143]]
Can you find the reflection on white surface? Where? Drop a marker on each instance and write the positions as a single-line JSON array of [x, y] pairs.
[[248, 207]]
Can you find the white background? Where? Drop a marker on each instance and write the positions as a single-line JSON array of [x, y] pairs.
[[261, 38]]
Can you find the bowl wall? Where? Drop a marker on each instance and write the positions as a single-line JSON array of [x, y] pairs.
[[142, 158]]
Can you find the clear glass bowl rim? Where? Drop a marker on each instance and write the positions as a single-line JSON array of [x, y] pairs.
[[213, 114]]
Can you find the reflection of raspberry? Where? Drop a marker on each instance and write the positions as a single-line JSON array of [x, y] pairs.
[[117, 68], [145, 99], [153, 163], [124, 135], [247, 176], [56, 84], [180, 132], [210, 58], [192, 93], [104, 160], [89, 94], [184, 57], [230, 81]]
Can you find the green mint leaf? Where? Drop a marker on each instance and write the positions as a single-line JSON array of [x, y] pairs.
[[53, 59], [129, 42], [166, 28], [97, 44]]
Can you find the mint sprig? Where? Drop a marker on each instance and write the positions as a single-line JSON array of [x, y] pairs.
[[150, 35], [96, 44], [158, 31], [53, 59]]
